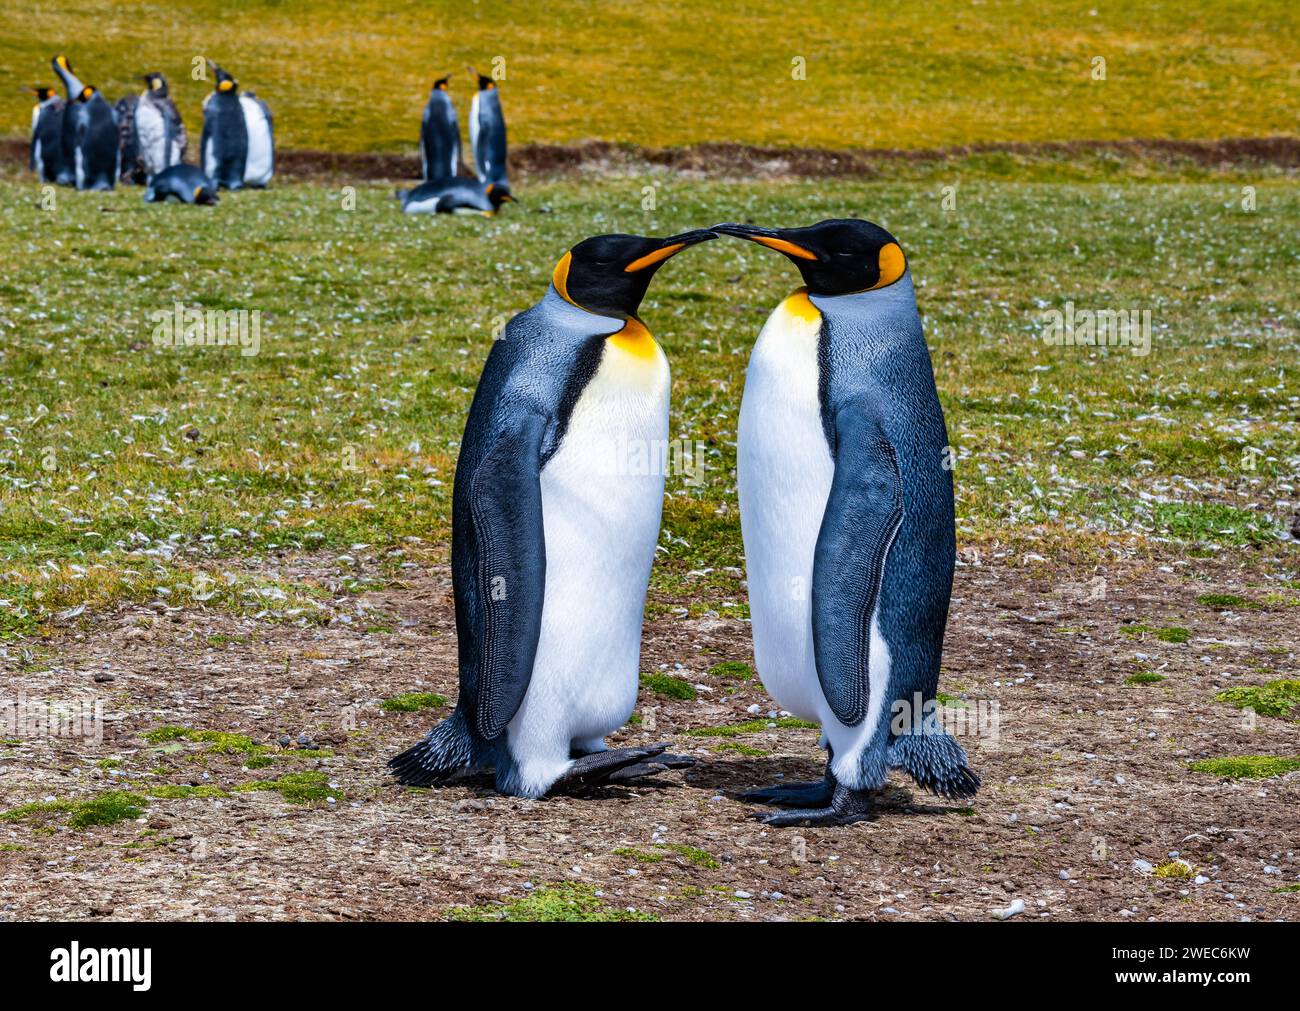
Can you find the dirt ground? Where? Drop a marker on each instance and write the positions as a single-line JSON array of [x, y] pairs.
[[1085, 778]]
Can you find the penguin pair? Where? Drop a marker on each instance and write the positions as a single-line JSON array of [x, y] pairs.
[[46, 156], [152, 132], [850, 559], [238, 142], [444, 191], [89, 147]]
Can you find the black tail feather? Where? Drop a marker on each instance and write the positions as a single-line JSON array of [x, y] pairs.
[[447, 750], [936, 761]]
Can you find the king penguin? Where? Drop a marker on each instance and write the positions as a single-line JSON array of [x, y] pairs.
[[553, 537], [487, 133], [47, 134], [187, 183], [439, 135], [454, 196], [90, 137], [159, 131], [847, 516], [238, 142]]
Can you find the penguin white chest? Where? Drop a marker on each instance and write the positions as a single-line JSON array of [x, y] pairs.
[[602, 496], [260, 162], [784, 471]]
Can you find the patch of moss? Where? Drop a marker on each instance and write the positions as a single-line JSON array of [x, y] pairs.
[[184, 791], [751, 727], [697, 856], [668, 686], [566, 902], [103, 809], [1246, 766], [221, 742], [10, 847], [1174, 633], [413, 702], [1287, 889], [1136, 629], [737, 748], [732, 670], [295, 787], [1144, 677], [1226, 600], [643, 856], [1173, 869], [1274, 698], [944, 699]]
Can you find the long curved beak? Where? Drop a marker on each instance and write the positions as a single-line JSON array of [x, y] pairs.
[[670, 247], [773, 238]]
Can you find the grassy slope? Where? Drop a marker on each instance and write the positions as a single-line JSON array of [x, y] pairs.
[[354, 76], [376, 327]]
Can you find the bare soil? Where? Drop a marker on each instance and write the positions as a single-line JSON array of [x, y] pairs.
[[1085, 776]]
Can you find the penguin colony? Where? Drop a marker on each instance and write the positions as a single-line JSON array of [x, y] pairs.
[[846, 507]]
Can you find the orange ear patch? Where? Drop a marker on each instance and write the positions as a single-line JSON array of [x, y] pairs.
[[892, 264], [560, 278], [650, 259]]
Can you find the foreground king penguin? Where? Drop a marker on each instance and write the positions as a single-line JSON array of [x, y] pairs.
[[846, 509], [553, 538], [90, 138], [238, 143]]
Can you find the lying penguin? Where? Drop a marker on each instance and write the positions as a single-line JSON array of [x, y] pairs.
[[454, 196], [238, 143], [187, 183], [552, 539], [47, 134]]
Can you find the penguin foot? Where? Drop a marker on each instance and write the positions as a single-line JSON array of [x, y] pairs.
[[846, 807], [658, 764], [815, 794], [599, 766]]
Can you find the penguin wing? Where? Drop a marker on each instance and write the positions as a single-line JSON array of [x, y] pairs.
[[863, 514], [173, 116], [508, 571]]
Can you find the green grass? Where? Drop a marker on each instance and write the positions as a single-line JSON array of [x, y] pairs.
[[1227, 600], [732, 670], [1246, 766], [176, 465], [668, 687], [1274, 698], [295, 787], [102, 809], [1145, 677], [355, 76], [752, 727], [560, 903], [413, 702]]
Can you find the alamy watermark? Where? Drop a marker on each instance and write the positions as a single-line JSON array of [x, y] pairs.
[[179, 327], [32, 719], [624, 457], [979, 718], [1125, 328]]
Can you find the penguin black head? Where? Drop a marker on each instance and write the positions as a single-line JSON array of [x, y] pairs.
[[224, 81], [499, 193], [205, 195], [441, 83], [42, 93], [609, 274], [841, 256], [157, 84], [485, 83]]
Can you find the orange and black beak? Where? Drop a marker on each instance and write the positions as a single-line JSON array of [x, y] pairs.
[[668, 248], [773, 238]]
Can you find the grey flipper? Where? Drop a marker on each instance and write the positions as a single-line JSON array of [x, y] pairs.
[[440, 138], [863, 514]]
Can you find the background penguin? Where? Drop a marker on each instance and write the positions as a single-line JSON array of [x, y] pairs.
[[47, 134], [238, 144], [454, 196], [187, 183], [157, 127], [131, 169], [552, 541], [848, 520], [487, 133], [440, 135], [90, 137]]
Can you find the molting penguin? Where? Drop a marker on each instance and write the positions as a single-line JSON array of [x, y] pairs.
[[47, 134], [846, 510], [90, 137], [187, 183], [238, 144], [156, 122], [487, 133], [440, 135], [552, 538], [454, 196], [130, 168]]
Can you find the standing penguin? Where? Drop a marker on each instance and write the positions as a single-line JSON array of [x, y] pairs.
[[159, 132], [846, 509], [130, 169], [238, 144], [440, 135], [552, 539], [487, 133], [454, 196], [47, 134], [90, 138]]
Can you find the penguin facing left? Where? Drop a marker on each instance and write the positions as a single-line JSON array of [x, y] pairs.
[[238, 142], [47, 134], [846, 511], [90, 136], [187, 183], [439, 135], [487, 133], [552, 540]]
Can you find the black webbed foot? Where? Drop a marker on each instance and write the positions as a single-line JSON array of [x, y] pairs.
[[846, 807]]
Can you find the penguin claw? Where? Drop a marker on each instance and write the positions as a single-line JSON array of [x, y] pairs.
[[599, 766], [846, 807], [800, 795], [658, 764]]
